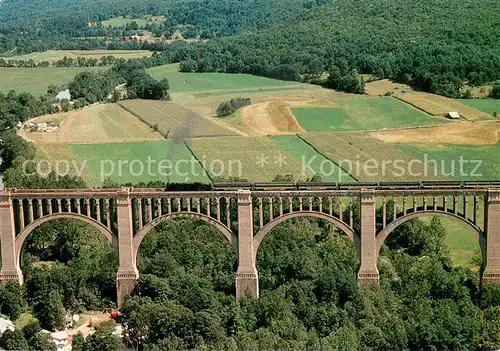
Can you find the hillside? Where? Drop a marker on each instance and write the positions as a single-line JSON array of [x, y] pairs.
[[436, 44], [219, 17]]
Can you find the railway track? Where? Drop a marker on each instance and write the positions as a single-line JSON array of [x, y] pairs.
[[338, 186]]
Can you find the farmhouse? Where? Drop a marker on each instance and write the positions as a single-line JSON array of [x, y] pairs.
[[453, 115]]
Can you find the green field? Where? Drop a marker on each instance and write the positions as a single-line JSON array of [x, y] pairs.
[[362, 113], [306, 155], [449, 156], [322, 119], [463, 243], [202, 82], [37, 80], [252, 158], [56, 55], [120, 21], [486, 105], [121, 162]]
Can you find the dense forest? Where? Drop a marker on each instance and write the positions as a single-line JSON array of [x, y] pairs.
[[26, 22], [437, 45]]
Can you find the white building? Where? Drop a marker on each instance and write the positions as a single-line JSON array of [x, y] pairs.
[[5, 325], [64, 95], [61, 339], [453, 115]]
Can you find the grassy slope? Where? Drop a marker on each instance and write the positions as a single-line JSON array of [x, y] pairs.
[[103, 160], [362, 113], [240, 157], [304, 153], [199, 82], [450, 155], [486, 105], [36, 80], [54, 55], [120, 21]]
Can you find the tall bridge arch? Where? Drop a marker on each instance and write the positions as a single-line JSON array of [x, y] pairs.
[[244, 217], [384, 233], [345, 228], [231, 238], [20, 240]]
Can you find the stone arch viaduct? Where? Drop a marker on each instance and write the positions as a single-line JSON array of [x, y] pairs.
[[244, 217]]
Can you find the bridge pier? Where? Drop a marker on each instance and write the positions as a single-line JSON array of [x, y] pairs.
[[492, 231], [247, 280], [127, 270], [368, 271], [10, 270]]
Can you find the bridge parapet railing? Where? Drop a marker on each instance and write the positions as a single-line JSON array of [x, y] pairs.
[[466, 204], [33, 207], [150, 204], [273, 205]]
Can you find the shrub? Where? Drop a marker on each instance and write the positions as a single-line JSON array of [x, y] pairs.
[[228, 107]]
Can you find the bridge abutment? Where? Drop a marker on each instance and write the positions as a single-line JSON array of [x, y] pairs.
[[492, 230], [247, 279], [368, 271], [10, 270], [127, 270]]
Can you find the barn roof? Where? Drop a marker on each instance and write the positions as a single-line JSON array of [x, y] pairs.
[[64, 95]]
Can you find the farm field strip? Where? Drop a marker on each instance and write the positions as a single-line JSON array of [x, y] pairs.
[[173, 120], [102, 123], [352, 113], [56, 55], [439, 105], [368, 159], [448, 158], [213, 82], [383, 112], [37, 80], [132, 163], [228, 94], [489, 106], [251, 158], [321, 119], [456, 133], [306, 155], [52, 154]]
